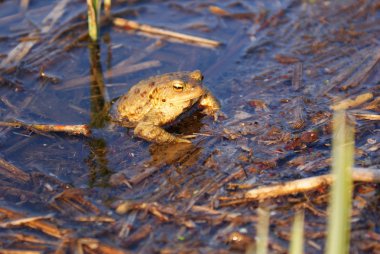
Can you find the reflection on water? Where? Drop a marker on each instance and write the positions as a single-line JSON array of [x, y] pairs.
[[170, 153], [97, 159], [97, 163], [180, 155], [99, 102], [179, 152]]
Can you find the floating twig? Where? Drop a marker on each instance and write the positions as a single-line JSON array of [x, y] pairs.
[[350, 103], [285, 59], [13, 251], [128, 24], [216, 10], [371, 117], [303, 185], [38, 224], [139, 235], [13, 172], [79, 129], [102, 219], [73, 199], [22, 221], [81, 244]]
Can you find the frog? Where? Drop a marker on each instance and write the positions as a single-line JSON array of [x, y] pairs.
[[158, 101]]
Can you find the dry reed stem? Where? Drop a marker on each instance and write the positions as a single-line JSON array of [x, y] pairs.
[[73, 198], [43, 226], [128, 24], [23, 48], [371, 117], [302, 185], [307, 184], [95, 219], [22, 221], [140, 234], [9, 251], [12, 171], [95, 246], [79, 129], [20, 237], [352, 102]]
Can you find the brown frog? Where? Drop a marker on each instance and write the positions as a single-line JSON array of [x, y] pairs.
[[159, 100]]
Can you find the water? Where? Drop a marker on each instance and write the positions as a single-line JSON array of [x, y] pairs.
[[271, 104]]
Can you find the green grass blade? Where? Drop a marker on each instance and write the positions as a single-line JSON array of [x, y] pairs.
[[107, 7], [338, 234], [296, 242], [262, 231], [93, 12]]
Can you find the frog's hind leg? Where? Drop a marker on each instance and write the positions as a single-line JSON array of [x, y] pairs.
[[154, 133]]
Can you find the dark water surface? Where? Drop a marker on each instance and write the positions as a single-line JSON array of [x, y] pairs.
[[281, 65]]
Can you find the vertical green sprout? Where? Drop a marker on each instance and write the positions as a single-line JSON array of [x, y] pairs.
[[262, 230], [93, 12], [296, 243], [338, 235], [107, 7]]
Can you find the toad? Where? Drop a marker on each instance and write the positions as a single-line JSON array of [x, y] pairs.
[[159, 100]]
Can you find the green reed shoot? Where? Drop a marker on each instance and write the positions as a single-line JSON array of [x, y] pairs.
[[296, 241], [262, 230], [93, 12], [107, 7], [338, 234]]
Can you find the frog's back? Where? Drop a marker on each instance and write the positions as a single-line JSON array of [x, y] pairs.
[[133, 105]]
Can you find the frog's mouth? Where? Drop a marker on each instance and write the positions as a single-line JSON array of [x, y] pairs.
[[193, 95], [185, 99]]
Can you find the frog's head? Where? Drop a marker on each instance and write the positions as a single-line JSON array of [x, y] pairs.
[[183, 87]]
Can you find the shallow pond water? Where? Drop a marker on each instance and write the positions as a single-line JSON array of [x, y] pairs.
[[279, 68]]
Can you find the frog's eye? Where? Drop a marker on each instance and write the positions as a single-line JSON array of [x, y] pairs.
[[178, 85]]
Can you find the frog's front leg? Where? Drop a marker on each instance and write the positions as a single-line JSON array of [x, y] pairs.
[[210, 105], [154, 133]]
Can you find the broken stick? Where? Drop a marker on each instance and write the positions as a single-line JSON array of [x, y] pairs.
[[307, 184], [79, 129], [128, 24]]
